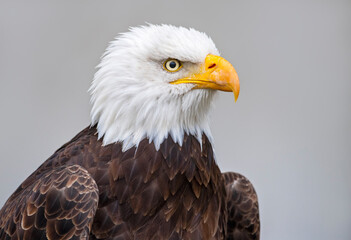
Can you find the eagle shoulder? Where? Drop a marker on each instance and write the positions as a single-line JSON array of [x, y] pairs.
[[242, 206], [60, 204]]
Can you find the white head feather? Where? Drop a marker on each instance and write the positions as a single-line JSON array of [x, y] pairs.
[[131, 95]]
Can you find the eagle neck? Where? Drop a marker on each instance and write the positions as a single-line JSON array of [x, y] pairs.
[[152, 115]]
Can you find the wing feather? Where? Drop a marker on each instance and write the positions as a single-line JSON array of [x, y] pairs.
[[60, 204], [242, 203]]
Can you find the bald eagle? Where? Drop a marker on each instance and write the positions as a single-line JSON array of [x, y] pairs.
[[145, 167]]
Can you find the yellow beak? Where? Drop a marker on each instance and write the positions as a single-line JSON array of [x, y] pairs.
[[215, 73]]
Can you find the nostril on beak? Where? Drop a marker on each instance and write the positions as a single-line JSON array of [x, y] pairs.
[[212, 66]]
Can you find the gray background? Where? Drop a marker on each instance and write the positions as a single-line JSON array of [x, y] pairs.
[[289, 132]]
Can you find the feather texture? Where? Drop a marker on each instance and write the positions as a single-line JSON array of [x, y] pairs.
[[89, 191], [57, 203], [242, 207]]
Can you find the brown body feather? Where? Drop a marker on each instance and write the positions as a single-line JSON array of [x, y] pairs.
[[242, 208], [89, 191]]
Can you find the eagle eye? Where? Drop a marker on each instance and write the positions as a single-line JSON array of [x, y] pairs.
[[172, 65]]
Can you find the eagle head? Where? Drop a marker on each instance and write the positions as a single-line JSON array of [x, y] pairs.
[[158, 81]]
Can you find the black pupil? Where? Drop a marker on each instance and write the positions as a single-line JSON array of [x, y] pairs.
[[172, 64]]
